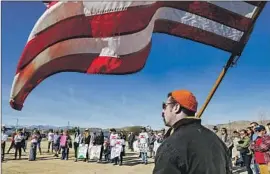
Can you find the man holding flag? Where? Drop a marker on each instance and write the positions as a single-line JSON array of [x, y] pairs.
[[191, 148]]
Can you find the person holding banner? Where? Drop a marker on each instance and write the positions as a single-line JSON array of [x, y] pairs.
[[143, 141], [117, 151], [191, 148], [77, 142], [86, 141], [100, 141], [113, 137]]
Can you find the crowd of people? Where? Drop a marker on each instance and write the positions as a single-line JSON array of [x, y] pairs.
[[186, 147], [249, 147], [60, 143]]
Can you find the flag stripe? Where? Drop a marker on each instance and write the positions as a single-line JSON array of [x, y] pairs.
[[242, 8], [55, 14], [217, 13], [212, 12], [25, 84], [110, 27], [195, 34]]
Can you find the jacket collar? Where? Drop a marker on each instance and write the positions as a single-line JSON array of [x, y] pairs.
[[186, 121]]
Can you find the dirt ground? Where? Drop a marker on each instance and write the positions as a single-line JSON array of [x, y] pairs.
[[47, 164]]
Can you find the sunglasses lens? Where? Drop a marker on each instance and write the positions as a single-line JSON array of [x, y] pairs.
[[163, 105]]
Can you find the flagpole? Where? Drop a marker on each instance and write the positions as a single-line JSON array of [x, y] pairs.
[[231, 62], [217, 83]]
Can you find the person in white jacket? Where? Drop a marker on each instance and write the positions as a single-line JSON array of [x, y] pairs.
[[18, 144]]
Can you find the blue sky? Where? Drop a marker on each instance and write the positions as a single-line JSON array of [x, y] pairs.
[[116, 101]]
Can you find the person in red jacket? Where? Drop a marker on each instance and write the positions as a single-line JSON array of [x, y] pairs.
[[259, 152]]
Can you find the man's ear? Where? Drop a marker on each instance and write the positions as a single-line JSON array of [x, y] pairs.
[[177, 108]]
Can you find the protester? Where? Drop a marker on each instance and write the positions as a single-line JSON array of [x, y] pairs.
[[39, 139], [50, 140], [243, 147], [56, 143], [77, 142], [18, 144], [131, 140], [143, 145], [254, 166], [261, 147], [191, 148], [61, 133], [12, 144], [25, 138], [33, 146], [65, 144], [226, 139], [113, 137], [152, 139], [250, 132], [106, 150], [86, 141], [235, 153], [100, 141], [119, 143], [4, 138], [216, 131]]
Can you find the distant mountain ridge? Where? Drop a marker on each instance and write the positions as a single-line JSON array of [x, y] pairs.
[[232, 125], [235, 125]]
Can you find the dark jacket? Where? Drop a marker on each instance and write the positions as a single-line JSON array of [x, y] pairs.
[[131, 138], [192, 149], [86, 140], [99, 140]]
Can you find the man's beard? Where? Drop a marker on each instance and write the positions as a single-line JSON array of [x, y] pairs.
[[165, 123]]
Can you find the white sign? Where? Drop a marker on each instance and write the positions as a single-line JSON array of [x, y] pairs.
[[117, 148], [156, 146], [82, 150], [94, 152], [136, 146], [116, 151], [143, 147]]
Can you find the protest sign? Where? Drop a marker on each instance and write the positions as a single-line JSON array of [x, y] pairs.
[[94, 152], [82, 151]]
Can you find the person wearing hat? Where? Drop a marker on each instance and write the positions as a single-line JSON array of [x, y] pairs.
[[261, 148], [112, 139], [86, 140], [191, 148]]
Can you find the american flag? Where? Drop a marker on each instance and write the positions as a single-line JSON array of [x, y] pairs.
[[115, 37]]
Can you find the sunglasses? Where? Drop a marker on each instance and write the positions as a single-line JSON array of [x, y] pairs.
[[164, 105]]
